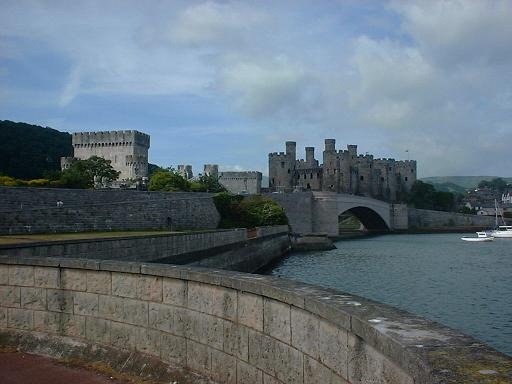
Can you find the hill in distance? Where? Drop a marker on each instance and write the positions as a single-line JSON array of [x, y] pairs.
[[459, 183], [29, 151]]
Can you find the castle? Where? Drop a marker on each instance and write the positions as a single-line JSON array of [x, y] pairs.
[[342, 171], [127, 151], [243, 182]]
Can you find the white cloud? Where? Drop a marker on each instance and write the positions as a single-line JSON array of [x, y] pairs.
[[71, 88], [269, 88], [457, 32], [211, 23], [431, 76], [232, 168]]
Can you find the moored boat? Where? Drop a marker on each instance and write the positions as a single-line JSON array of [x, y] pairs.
[[503, 231], [481, 236]]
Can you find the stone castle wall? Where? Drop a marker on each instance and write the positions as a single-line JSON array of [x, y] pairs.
[[423, 218], [127, 151], [35, 210], [342, 171], [230, 327], [241, 182]]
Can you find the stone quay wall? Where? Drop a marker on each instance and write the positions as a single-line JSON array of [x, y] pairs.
[[228, 249], [35, 210], [143, 248], [423, 218], [226, 326]]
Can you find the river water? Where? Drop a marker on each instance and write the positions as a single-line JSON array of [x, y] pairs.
[[467, 286]]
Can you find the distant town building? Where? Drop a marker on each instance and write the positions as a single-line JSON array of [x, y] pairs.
[[127, 151], [483, 197], [342, 171], [241, 182]]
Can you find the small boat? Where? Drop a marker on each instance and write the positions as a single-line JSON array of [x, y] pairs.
[[481, 236], [503, 231]]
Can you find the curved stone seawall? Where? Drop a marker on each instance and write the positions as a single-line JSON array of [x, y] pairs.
[[230, 327], [35, 210]]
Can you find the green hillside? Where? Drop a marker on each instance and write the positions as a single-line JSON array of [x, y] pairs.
[[28, 151], [459, 183]]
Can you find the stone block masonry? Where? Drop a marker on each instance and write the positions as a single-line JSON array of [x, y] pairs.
[[35, 210], [424, 219], [241, 182], [228, 327]]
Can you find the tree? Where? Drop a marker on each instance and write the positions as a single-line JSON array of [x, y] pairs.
[[27, 151], [153, 168], [497, 184], [443, 201], [424, 196], [81, 173], [211, 183], [421, 195], [168, 180]]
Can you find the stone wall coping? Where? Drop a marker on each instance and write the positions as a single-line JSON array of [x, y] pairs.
[[431, 352]]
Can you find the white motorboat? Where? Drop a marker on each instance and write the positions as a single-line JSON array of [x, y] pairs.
[[503, 231], [481, 236]]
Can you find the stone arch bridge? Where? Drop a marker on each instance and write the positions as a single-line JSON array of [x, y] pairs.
[[310, 212]]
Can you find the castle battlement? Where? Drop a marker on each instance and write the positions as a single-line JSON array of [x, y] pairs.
[[407, 162], [282, 155], [110, 138], [240, 174]]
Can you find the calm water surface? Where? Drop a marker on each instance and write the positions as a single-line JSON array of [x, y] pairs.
[[467, 286]]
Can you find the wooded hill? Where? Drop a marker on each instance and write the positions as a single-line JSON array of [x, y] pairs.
[[459, 183], [30, 151]]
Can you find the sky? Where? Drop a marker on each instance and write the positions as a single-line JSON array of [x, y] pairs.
[[227, 82]]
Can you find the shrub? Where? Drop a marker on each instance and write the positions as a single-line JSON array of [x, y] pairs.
[[253, 211], [168, 180], [38, 183]]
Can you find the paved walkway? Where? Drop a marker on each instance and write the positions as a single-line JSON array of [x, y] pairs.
[[22, 368]]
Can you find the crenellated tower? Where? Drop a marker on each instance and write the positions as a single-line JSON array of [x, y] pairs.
[[126, 150], [282, 167]]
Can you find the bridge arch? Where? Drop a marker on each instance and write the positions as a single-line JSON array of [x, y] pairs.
[[370, 219], [314, 211]]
